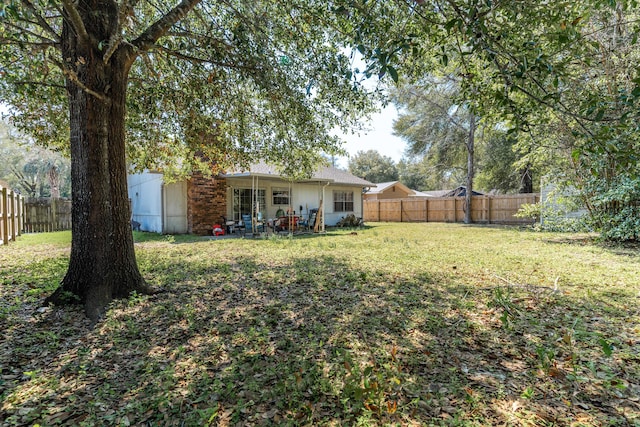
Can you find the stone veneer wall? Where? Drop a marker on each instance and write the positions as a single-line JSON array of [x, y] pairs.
[[206, 203]]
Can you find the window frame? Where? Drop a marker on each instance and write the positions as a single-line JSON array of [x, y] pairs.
[[243, 199], [277, 200], [343, 201]]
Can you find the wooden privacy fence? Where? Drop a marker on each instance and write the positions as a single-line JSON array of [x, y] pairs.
[[44, 215], [498, 209], [11, 215]]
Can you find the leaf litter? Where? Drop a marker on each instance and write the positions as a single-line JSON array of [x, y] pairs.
[[314, 331]]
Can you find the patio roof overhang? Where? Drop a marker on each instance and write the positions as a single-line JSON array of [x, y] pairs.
[[324, 175]]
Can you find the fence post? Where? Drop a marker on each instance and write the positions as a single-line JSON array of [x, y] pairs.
[[489, 209], [54, 214], [11, 213], [21, 214], [485, 209], [5, 217], [426, 210], [49, 219], [455, 209], [401, 211]]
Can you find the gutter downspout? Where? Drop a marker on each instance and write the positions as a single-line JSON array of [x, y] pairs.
[[365, 190], [163, 209]]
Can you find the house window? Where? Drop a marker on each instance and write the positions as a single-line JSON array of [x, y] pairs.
[[242, 198], [343, 201], [281, 196]]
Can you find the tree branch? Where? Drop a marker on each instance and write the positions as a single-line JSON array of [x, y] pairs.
[[8, 42], [442, 108], [35, 82], [71, 75], [76, 20], [205, 61], [26, 31], [147, 39], [41, 21]]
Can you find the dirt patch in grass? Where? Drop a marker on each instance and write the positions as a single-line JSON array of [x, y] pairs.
[[401, 324]]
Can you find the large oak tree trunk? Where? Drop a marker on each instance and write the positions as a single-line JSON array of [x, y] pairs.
[[102, 264]]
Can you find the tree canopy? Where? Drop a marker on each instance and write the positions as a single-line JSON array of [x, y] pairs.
[[373, 166], [229, 81]]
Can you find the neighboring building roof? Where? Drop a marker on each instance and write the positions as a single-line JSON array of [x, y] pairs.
[[419, 194], [382, 186], [462, 191], [436, 193], [323, 173], [457, 192]]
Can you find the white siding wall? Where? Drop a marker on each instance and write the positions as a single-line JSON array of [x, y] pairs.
[[145, 193], [332, 217], [560, 201], [175, 208], [308, 196]]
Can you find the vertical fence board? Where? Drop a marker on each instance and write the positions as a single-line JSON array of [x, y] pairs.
[[4, 216], [11, 209], [45, 215]]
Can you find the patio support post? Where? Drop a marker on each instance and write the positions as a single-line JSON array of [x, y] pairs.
[[323, 206]]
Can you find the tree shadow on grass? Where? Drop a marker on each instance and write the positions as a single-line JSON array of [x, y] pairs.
[[299, 340], [627, 249]]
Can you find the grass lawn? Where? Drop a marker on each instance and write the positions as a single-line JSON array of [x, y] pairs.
[[399, 324]]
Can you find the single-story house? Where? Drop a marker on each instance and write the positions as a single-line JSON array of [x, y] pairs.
[[389, 190], [196, 204]]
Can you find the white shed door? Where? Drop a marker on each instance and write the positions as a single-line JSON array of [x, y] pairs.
[[175, 208]]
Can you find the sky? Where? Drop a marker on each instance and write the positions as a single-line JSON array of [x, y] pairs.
[[379, 137]]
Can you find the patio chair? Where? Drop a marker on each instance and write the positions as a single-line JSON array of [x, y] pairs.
[[229, 225], [303, 222], [247, 223], [260, 223], [238, 227]]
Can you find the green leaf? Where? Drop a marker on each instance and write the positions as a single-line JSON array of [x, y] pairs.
[[393, 73], [607, 348], [599, 114], [449, 25]]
